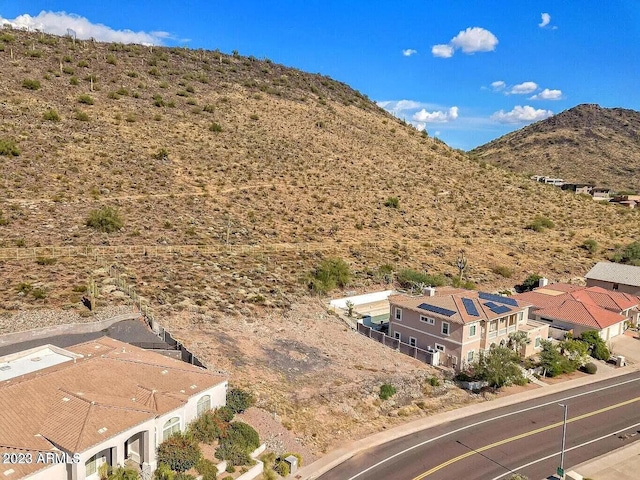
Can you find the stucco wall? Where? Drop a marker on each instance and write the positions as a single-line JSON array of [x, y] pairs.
[[633, 290]]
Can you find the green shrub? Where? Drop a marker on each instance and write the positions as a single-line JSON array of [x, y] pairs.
[[386, 391], [226, 414], [597, 347], [207, 469], [503, 271], [282, 468], [215, 127], [209, 108], [9, 148], [243, 434], [331, 273], [184, 476], [46, 260], [230, 468], [434, 382], [73, 81], [631, 254], [39, 293], [30, 84], [590, 368], [600, 352], [86, 99], [206, 428], [82, 116], [253, 116], [179, 452], [590, 245], [68, 70], [530, 282], [540, 223], [161, 155], [239, 400], [233, 454], [51, 115], [105, 219], [409, 278], [83, 64], [111, 60], [392, 202]]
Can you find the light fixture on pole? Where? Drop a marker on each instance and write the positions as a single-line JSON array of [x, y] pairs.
[[564, 437]]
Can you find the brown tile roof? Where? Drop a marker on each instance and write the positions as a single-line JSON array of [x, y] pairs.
[[451, 299], [114, 386]]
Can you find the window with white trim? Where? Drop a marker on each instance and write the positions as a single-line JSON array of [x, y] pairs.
[[397, 336], [427, 320], [538, 342], [520, 316], [398, 314], [412, 341], [170, 427], [204, 405], [91, 466], [473, 330], [470, 356], [445, 328], [440, 347]]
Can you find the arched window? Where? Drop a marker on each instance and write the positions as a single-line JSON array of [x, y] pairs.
[[171, 426], [204, 404]]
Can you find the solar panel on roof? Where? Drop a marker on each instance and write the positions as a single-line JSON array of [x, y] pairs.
[[498, 298], [495, 308], [470, 307], [433, 308]]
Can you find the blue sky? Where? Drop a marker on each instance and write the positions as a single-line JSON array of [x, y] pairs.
[[468, 71]]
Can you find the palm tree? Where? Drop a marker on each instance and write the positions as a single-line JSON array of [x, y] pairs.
[[517, 340], [122, 473]]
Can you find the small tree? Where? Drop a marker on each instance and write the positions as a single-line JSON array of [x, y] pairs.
[[331, 273], [239, 400], [530, 282], [590, 245], [124, 473], [179, 452], [553, 362], [350, 306], [576, 351], [597, 347], [499, 367]]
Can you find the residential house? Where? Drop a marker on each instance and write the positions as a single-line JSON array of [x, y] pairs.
[[601, 193], [578, 188], [71, 410], [615, 276], [629, 201], [461, 323], [576, 309]]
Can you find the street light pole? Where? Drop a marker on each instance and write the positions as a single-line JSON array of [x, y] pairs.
[[564, 437]]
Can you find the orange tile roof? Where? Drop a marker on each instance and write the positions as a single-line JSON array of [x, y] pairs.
[[577, 312], [114, 386]]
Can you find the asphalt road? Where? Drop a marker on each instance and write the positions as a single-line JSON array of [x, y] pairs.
[[524, 438]]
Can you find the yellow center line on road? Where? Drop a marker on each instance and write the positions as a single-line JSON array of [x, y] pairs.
[[522, 435]]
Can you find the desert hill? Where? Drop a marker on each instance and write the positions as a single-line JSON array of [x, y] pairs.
[[234, 177], [586, 143]]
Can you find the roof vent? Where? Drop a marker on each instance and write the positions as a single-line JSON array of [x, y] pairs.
[[4, 368], [102, 430], [65, 399], [164, 372], [8, 472], [36, 359], [182, 391], [194, 386]]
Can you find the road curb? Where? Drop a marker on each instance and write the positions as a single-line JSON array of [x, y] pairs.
[[341, 455]]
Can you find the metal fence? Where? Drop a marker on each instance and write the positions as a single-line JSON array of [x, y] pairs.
[[415, 352]]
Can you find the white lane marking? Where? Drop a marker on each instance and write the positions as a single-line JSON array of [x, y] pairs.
[[515, 470], [486, 421]]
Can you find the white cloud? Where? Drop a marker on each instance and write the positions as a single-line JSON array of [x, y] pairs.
[[408, 52], [547, 94], [58, 23], [442, 51], [524, 88], [546, 19], [438, 116], [498, 85], [471, 40], [521, 114]]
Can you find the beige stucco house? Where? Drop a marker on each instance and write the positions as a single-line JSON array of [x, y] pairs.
[[70, 410], [461, 323], [615, 276]]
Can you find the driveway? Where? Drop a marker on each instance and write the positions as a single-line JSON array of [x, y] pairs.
[[626, 345]]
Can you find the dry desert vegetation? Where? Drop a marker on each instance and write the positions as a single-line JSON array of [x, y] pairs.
[[269, 170]]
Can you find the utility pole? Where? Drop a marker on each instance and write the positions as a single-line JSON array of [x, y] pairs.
[[564, 437]]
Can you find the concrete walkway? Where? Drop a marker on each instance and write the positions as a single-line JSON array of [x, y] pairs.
[[621, 464], [336, 457]]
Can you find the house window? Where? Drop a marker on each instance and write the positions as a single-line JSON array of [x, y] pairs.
[[170, 427], [397, 336], [427, 320], [412, 341], [538, 342], [445, 328], [520, 316], [204, 405], [616, 286], [439, 347], [470, 356], [512, 321], [398, 314], [91, 466], [493, 326], [472, 330]]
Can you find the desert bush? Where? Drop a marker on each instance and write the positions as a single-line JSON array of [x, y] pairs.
[[530, 282], [233, 454], [503, 271], [106, 219], [253, 116], [243, 434], [51, 115], [409, 278], [597, 346], [83, 64], [434, 382], [46, 260], [209, 108], [331, 273], [239, 400], [184, 476], [162, 154], [206, 428], [215, 127], [8, 148], [179, 452], [86, 99], [82, 116], [540, 223], [68, 70], [392, 202], [31, 84], [386, 391], [39, 293], [207, 469], [590, 368], [282, 468], [111, 60], [73, 81], [590, 245], [226, 414]]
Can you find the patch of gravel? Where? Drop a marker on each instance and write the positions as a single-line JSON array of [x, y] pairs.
[[32, 319], [276, 437]]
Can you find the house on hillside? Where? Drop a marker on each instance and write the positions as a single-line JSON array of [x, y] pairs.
[[576, 309], [578, 188], [601, 193], [629, 201], [460, 323], [103, 401], [615, 276]]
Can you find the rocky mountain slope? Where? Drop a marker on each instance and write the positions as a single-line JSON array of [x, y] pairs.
[[586, 143]]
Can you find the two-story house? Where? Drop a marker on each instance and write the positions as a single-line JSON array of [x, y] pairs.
[[461, 323]]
